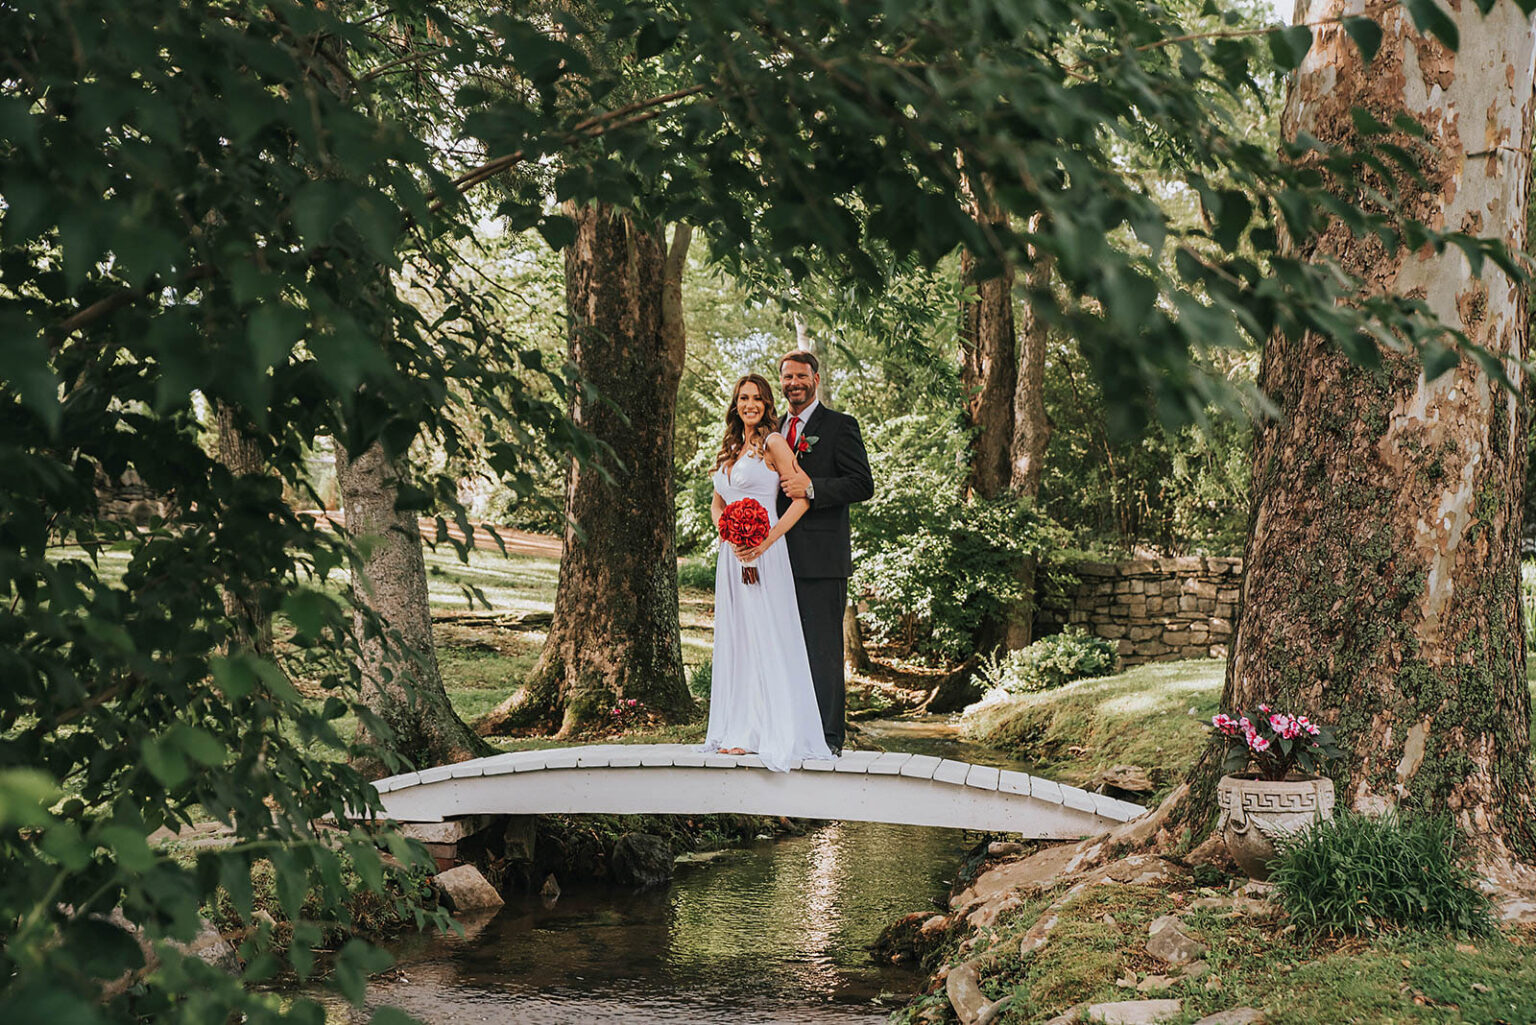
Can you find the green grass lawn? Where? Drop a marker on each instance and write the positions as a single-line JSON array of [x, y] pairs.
[[483, 664]]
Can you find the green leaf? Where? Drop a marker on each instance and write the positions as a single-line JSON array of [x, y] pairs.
[[235, 877], [354, 964], [108, 949], [1429, 18], [200, 745], [164, 762], [309, 610], [558, 232], [1437, 359], [25, 797], [1366, 34], [1289, 46], [64, 843], [233, 675], [128, 845], [273, 330]]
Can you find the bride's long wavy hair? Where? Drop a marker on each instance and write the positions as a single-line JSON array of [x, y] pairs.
[[736, 432]]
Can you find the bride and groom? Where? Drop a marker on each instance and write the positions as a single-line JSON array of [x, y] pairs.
[[777, 678]]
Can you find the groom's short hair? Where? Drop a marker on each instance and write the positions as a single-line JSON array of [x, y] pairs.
[[801, 356]]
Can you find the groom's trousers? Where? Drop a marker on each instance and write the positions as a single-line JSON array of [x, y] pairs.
[[821, 601]]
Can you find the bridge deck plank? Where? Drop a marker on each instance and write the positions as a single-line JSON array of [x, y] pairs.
[[982, 777], [1010, 782], [951, 771], [889, 763], [855, 761], [1045, 789], [921, 766]]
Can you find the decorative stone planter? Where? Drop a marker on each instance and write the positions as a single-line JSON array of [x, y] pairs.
[[1255, 811]]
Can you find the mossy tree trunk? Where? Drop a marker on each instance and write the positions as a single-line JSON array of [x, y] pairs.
[[615, 631], [1383, 561], [402, 683]]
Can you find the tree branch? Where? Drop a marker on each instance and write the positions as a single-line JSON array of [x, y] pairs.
[[591, 128]]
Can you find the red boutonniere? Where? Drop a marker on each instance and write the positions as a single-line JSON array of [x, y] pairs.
[[805, 442]]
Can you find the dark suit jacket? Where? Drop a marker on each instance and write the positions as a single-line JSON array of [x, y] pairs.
[[819, 545]]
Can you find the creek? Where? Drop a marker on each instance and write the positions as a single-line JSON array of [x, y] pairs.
[[777, 931]]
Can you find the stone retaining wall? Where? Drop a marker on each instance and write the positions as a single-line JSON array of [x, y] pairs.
[[1157, 609]]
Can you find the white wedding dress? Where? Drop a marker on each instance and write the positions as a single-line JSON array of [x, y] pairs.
[[761, 696]]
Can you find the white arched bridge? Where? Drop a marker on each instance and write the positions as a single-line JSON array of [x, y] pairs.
[[678, 779]]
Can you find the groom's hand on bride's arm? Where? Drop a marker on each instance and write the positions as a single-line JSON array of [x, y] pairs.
[[796, 483]]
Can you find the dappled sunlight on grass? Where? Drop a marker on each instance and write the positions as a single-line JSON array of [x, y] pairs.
[[1154, 716]]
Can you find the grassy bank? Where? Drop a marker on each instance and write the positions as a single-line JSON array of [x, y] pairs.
[[1156, 716], [1096, 954]]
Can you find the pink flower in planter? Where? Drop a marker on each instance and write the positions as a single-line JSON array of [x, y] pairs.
[[1225, 723], [1310, 727], [1258, 743]]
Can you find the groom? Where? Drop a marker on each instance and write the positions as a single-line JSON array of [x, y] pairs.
[[834, 473]]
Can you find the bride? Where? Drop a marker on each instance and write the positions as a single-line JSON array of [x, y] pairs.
[[761, 697]]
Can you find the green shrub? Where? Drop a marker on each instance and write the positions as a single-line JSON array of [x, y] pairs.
[[1358, 873], [1073, 654], [697, 572], [700, 678], [931, 566]]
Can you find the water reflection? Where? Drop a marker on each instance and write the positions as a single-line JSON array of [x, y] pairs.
[[776, 933]]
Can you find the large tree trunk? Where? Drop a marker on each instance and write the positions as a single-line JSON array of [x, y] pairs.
[[854, 654], [988, 375], [1383, 574], [402, 684], [1031, 435], [615, 631], [245, 607]]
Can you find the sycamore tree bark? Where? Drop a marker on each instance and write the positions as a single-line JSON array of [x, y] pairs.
[[1383, 560], [615, 630], [402, 684]]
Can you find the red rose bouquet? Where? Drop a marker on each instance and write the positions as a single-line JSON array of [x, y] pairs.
[[745, 523]]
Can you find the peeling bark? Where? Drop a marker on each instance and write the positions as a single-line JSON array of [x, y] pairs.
[[402, 684], [1383, 560], [615, 631]]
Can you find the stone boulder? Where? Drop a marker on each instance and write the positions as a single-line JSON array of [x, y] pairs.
[[464, 889], [1125, 782], [1168, 940], [640, 860], [1236, 1016], [1135, 1012]]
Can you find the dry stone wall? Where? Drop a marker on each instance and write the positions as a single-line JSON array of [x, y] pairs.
[[1156, 609]]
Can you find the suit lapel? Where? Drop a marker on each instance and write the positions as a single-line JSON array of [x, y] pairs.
[[813, 429]]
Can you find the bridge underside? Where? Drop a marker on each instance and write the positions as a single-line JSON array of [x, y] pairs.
[[920, 790]]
